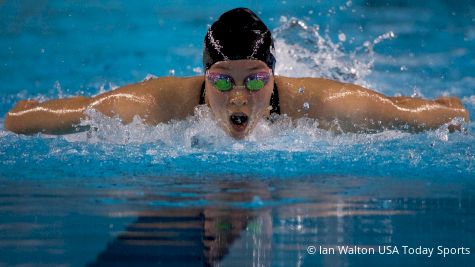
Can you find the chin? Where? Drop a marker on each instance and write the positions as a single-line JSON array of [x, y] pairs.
[[237, 132], [238, 135]]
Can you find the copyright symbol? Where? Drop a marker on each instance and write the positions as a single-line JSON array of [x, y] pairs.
[[311, 250]]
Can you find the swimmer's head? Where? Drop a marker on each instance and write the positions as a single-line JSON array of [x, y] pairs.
[[239, 62], [238, 34]]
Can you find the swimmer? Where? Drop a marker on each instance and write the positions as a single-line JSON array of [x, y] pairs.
[[241, 89]]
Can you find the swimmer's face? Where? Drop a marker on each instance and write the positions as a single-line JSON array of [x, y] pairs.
[[238, 108]]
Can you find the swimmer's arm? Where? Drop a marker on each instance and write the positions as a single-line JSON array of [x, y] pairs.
[[359, 109], [153, 101], [63, 116], [352, 108]]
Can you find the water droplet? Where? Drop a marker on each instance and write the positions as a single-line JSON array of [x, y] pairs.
[[171, 72], [306, 105], [403, 68], [58, 88], [197, 70], [301, 90], [149, 77], [416, 92], [342, 37]]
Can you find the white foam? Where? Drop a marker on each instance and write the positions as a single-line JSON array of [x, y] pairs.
[[194, 131], [469, 100]]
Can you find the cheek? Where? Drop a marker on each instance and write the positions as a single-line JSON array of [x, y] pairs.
[[261, 99], [216, 100]]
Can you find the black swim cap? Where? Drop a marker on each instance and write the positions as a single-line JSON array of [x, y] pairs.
[[238, 34]]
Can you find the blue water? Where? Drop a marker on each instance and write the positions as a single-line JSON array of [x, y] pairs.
[[184, 193]]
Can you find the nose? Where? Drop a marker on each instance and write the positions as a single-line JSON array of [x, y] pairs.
[[238, 98]]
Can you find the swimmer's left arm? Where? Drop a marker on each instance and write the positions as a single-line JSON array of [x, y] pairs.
[[359, 109]]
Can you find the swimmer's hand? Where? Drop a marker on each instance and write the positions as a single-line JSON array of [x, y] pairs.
[[20, 107]]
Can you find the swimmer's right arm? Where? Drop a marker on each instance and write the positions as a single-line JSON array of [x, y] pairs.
[[57, 116], [63, 116], [154, 101]]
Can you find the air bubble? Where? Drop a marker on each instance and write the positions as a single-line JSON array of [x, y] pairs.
[[306, 105]]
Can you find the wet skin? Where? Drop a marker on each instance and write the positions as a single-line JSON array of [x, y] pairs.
[[337, 106], [239, 101]]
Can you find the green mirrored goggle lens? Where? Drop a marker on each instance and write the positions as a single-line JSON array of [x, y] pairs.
[[255, 84], [223, 84]]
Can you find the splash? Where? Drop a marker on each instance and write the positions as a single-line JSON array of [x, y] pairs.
[[306, 53], [201, 132], [196, 131]]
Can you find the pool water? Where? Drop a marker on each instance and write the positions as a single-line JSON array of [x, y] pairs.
[[184, 193]]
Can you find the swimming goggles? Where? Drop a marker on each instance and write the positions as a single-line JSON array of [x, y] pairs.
[[223, 82]]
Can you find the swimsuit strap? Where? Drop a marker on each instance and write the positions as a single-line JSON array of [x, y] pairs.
[[274, 99], [202, 94]]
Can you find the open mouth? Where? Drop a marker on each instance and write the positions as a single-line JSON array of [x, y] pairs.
[[239, 121]]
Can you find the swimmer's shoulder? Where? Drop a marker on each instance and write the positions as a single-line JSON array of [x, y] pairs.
[[306, 95], [168, 87], [161, 99], [175, 97]]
